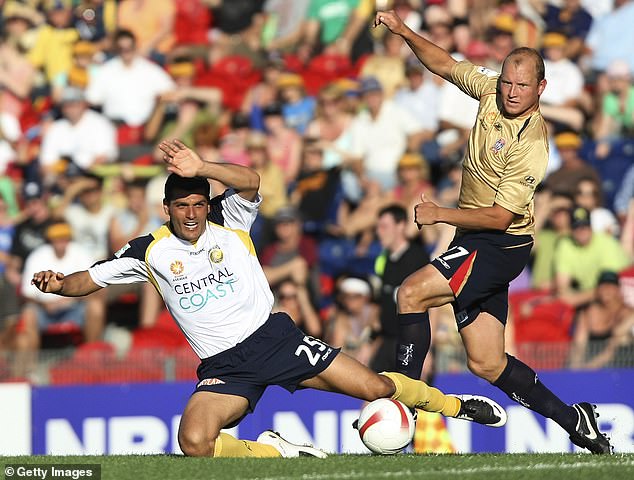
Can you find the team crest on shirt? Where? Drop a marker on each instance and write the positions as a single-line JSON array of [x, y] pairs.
[[499, 145], [215, 254], [177, 267], [490, 117]]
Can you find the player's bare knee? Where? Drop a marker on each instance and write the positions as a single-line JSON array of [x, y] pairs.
[[410, 297], [194, 443], [487, 369]]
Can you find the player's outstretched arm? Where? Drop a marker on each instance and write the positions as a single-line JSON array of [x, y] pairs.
[[431, 55], [185, 162], [76, 284]]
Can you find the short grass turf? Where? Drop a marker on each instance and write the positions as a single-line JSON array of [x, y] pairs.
[[344, 467]]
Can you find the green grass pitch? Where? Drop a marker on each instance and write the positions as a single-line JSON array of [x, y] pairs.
[[351, 467]]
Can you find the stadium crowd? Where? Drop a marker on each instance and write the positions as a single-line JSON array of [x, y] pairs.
[[346, 129]]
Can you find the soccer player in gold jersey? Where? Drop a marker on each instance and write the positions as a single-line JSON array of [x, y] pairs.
[[506, 159]]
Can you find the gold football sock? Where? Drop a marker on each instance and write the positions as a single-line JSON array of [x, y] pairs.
[[417, 394], [228, 446]]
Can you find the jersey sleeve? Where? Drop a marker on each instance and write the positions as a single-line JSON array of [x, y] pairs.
[[232, 211], [473, 80], [524, 170], [127, 266]]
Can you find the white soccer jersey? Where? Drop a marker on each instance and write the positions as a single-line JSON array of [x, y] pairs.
[[215, 289]]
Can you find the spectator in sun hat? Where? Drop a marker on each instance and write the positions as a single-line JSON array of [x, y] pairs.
[[565, 79], [573, 166], [40, 310], [298, 108], [582, 256], [19, 23]]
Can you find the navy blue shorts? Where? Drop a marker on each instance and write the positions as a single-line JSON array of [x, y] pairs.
[[479, 267], [277, 353]]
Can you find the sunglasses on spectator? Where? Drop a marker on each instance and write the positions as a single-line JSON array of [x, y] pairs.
[[287, 296]]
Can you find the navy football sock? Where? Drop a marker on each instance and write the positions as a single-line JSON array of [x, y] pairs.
[[521, 384], [414, 339]]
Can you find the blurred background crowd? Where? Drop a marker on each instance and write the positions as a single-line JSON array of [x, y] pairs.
[[346, 130]]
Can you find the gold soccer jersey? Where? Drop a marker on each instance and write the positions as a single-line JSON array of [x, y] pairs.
[[215, 288], [506, 158]]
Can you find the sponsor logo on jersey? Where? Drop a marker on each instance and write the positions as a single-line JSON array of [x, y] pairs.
[[529, 181], [499, 145], [487, 71], [122, 250], [210, 381], [177, 267], [194, 295]]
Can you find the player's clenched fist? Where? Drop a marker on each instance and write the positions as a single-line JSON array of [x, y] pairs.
[[391, 20], [48, 281], [426, 212]]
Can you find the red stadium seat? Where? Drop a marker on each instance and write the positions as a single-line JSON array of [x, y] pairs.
[[543, 327]]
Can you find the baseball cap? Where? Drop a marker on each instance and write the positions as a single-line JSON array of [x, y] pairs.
[[286, 214], [554, 39], [179, 187], [370, 84], [413, 64], [579, 217], [608, 276], [618, 69], [288, 80], [504, 23], [567, 140], [411, 160], [72, 94], [181, 68], [83, 47], [355, 286], [58, 230]]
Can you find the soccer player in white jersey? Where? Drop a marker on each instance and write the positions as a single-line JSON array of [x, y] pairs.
[[204, 265]]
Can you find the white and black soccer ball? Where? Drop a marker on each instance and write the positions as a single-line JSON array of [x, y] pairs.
[[386, 426]]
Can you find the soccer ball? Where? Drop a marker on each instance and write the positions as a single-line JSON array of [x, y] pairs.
[[386, 426]]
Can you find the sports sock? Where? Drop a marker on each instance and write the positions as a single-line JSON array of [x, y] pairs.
[[417, 394], [228, 446], [521, 384], [414, 338]]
